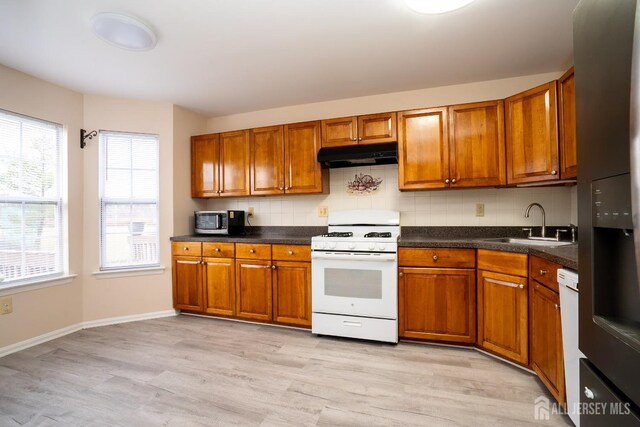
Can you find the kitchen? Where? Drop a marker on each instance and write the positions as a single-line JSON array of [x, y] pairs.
[[450, 230]]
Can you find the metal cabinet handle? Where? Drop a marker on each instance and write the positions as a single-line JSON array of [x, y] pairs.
[[453, 181], [588, 393], [360, 139], [286, 188], [521, 286], [186, 248], [554, 172], [435, 257], [446, 181], [217, 249], [273, 267], [290, 252], [252, 251], [543, 272], [354, 139], [280, 188]]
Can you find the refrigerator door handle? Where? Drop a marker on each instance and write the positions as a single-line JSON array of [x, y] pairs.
[[634, 143]]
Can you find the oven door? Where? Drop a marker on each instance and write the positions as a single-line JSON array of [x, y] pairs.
[[355, 284]]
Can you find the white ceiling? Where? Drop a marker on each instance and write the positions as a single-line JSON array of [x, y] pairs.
[[228, 56]]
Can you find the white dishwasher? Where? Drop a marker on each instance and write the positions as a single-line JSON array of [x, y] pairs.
[[568, 281]]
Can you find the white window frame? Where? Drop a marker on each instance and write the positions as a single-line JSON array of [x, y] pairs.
[[104, 201], [61, 256]]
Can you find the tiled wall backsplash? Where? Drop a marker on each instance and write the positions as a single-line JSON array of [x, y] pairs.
[[502, 206]]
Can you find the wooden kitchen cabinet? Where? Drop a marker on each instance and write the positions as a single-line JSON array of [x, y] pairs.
[[567, 125], [187, 283], [503, 315], [476, 145], [532, 135], [368, 129], [423, 149], [437, 304], [267, 160], [546, 339], [205, 155], [302, 172], [254, 289], [218, 278], [292, 293]]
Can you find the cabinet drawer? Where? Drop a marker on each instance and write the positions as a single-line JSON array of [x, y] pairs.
[[218, 249], [186, 248], [291, 252], [545, 272], [437, 257], [253, 251], [503, 262]]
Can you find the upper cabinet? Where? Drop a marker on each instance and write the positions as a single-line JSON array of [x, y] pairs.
[[220, 165], [267, 160], [302, 172], [567, 127], [532, 135], [369, 129], [456, 146]]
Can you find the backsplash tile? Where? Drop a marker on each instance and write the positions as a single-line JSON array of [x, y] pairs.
[[502, 206]]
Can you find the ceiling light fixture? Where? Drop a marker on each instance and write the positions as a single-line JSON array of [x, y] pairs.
[[436, 6], [123, 31]]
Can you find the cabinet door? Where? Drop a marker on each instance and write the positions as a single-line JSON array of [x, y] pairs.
[[253, 289], [377, 128], [423, 149], [339, 132], [303, 173], [187, 284], [532, 135], [503, 315], [218, 278], [567, 125], [204, 165], [546, 339], [476, 145], [234, 163], [292, 293], [267, 160], [437, 304]]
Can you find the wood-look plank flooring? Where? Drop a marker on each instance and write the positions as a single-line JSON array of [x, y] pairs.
[[192, 371]]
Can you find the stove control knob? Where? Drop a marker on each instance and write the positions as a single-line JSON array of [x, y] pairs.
[[332, 245], [381, 246], [372, 246], [319, 245], [352, 245]]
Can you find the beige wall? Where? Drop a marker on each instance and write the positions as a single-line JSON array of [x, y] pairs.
[[40, 311], [397, 101], [185, 124], [106, 296]]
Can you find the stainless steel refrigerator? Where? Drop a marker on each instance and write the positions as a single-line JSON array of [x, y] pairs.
[[607, 70]]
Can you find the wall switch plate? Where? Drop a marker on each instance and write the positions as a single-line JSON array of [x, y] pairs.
[[6, 305], [323, 211], [250, 211], [479, 209]]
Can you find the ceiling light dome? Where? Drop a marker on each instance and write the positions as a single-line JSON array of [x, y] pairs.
[[436, 6], [123, 31]]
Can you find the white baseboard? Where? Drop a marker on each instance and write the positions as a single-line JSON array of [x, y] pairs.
[[22, 345]]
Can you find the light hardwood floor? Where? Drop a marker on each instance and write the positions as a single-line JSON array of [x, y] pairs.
[[187, 370]]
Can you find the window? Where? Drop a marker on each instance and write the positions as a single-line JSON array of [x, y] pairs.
[[129, 236], [31, 241]]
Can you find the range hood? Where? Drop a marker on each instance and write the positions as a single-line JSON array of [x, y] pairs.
[[359, 155]]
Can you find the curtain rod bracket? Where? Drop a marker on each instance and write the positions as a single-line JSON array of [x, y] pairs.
[[84, 136]]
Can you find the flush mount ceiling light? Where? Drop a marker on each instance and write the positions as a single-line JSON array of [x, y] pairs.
[[123, 31], [436, 6]]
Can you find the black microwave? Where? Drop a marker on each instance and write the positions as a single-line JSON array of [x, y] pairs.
[[219, 222]]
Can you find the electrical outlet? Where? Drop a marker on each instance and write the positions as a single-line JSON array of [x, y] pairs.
[[323, 211], [6, 305], [479, 209], [250, 211]]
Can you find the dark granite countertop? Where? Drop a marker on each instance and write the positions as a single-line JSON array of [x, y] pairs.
[[412, 237]]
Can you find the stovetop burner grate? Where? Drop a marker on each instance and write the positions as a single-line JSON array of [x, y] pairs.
[[377, 234], [339, 234]]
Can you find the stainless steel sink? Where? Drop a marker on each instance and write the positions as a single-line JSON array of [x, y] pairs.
[[528, 242]]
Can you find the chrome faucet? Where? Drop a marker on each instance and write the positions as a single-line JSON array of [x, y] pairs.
[[526, 215]]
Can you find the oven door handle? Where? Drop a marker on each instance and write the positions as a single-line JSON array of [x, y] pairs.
[[352, 256]]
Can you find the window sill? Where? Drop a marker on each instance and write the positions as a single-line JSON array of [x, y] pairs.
[[32, 285], [128, 272]]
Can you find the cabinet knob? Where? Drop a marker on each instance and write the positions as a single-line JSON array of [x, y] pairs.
[[273, 267], [554, 172], [186, 248], [280, 188], [543, 272], [453, 181], [354, 139], [557, 307], [401, 274], [521, 286], [435, 257], [360, 139], [290, 252], [217, 249], [252, 251], [588, 393], [286, 188], [446, 181]]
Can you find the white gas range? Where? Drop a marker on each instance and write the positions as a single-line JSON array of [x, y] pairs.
[[354, 277]]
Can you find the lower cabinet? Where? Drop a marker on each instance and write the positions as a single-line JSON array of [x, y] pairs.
[[219, 280], [292, 293], [187, 284], [253, 289], [503, 324], [437, 304]]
